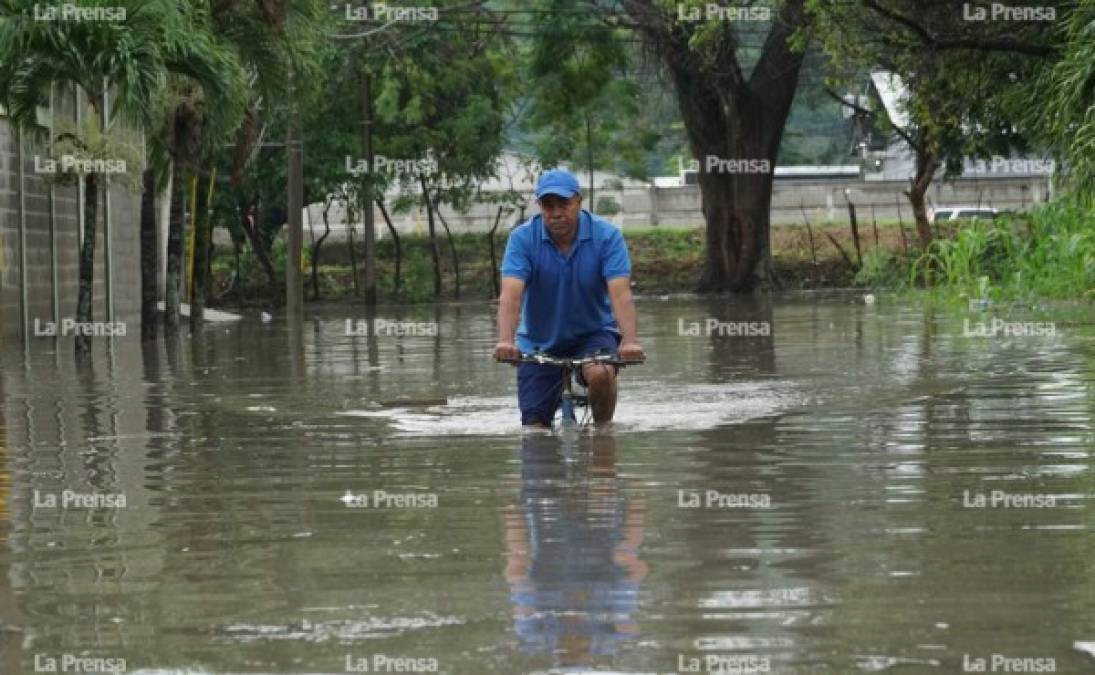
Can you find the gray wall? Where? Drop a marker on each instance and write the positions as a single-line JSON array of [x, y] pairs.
[[125, 217], [825, 200], [822, 199]]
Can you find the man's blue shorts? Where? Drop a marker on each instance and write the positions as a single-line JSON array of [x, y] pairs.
[[540, 387]]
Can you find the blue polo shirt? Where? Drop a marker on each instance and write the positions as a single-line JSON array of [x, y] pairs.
[[566, 297]]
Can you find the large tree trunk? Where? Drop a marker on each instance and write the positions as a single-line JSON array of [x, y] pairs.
[[202, 237], [737, 119], [736, 204], [87, 261], [927, 163], [150, 258], [175, 227]]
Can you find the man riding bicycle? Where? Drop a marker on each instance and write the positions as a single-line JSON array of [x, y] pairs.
[[566, 278]]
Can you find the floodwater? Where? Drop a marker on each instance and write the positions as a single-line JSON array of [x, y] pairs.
[[870, 487]]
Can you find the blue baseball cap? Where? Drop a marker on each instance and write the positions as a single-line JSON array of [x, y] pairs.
[[557, 182]]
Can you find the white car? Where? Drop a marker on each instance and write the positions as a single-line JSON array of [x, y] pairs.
[[962, 213]]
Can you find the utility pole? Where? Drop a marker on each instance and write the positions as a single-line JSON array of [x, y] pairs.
[[108, 230], [54, 282], [367, 187], [21, 206], [294, 287]]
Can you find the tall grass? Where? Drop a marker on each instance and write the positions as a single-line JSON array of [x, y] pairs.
[[1049, 253]]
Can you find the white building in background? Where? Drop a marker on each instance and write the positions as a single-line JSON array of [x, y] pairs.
[[689, 175], [893, 159]]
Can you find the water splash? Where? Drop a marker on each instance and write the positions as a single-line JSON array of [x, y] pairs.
[[644, 406]]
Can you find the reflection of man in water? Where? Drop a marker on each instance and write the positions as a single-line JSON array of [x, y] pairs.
[[572, 552]]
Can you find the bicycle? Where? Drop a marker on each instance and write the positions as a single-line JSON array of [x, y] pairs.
[[571, 400]]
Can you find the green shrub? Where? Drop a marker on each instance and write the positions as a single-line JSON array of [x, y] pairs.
[[606, 206], [1047, 253], [880, 269]]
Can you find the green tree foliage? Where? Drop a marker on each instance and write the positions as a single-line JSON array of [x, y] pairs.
[[128, 52], [585, 105], [445, 104], [441, 91], [273, 49], [735, 72], [1063, 116], [957, 71]]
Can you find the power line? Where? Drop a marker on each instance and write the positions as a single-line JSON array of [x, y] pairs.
[[519, 33]]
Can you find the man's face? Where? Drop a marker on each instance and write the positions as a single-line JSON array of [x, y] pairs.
[[560, 215]]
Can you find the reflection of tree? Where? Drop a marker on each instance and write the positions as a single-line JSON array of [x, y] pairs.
[[572, 551], [100, 469], [372, 346], [748, 354], [438, 357], [750, 576], [297, 368]]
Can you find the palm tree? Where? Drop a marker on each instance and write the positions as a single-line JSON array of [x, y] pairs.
[[260, 45], [127, 56], [1067, 88], [206, 99], [206, 83]]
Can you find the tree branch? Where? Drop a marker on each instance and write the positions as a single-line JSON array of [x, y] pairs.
[[863, 111], [977, 44], [777, 60]]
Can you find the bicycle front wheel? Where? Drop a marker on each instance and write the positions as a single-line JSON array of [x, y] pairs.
[[568, 412]]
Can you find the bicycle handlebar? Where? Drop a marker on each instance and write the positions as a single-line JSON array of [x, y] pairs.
[[549, 360]]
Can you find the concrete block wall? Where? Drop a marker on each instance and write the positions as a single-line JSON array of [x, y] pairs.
[[827, 200], [124, 235]]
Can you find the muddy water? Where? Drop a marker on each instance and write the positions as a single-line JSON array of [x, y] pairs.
[[866, 488]]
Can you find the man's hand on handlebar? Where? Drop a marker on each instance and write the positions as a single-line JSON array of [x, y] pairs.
[[508, 352], [502, 350], [631, 351]]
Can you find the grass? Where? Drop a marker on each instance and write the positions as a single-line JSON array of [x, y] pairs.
[[1048, 253]]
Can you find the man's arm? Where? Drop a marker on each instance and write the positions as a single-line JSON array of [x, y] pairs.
[[509, 313], [623, 308]]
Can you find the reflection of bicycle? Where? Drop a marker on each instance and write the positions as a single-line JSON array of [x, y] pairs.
[[573, 543], [569, 366]]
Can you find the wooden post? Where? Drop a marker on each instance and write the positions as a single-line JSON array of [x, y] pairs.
[[874, 226], [810, 232], [855, 232]]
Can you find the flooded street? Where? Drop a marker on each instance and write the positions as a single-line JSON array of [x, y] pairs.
[[869, 487]]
